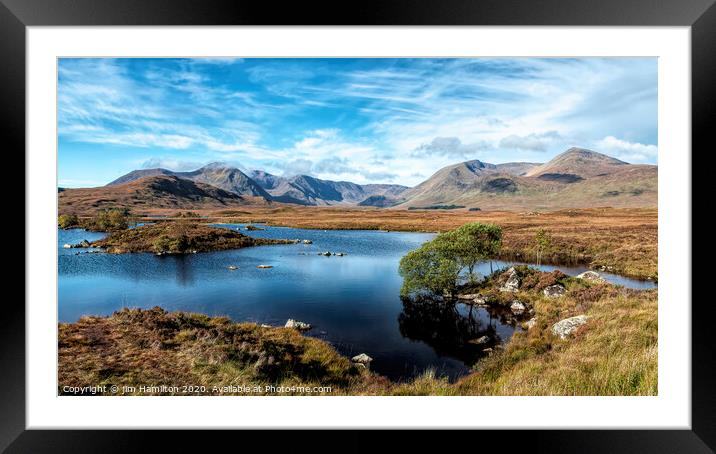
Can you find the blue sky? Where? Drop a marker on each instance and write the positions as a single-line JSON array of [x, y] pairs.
[[361, 120]]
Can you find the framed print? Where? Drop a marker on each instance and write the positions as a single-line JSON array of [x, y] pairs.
[[238, 218]]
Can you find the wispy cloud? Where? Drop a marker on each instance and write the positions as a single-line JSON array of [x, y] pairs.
[[362, 119]]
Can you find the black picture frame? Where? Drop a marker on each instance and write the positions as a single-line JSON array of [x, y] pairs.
[[700, 15]]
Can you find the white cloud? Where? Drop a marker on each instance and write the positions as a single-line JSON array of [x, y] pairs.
[[634, 152], [532, 142]]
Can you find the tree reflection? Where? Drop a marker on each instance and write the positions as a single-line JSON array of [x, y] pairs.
[[447, 329]]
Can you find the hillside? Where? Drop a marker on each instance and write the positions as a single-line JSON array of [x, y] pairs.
[[307, 190], [223, 177], [577, 178], [152, 192]]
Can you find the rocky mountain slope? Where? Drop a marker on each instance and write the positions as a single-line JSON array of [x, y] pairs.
[[577, 178], [574, 179], [152, 192]]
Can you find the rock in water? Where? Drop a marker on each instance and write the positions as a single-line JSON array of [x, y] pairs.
[[264, 266], [480, 340], [295, 324], [232, 267], [307, 242], [554, 291], [513, 281], [362, 360], [591, 276], [564, 328], [67, 246], [517, 307], [83, 243]]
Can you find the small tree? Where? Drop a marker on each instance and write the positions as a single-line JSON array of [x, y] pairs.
[[436, 266], [473, 243], [429, 268], [65, 221], [543, 240], [112, 219]]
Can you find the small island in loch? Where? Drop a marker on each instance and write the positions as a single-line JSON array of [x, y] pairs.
[[178, 238]]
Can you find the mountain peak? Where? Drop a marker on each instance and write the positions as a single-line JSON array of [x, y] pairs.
[[216, 165], [583, 153]]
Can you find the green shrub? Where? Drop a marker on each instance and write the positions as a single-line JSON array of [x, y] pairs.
[[65, 221], [111, 219]]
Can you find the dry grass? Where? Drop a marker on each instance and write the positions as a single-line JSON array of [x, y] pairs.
[[615, 353], [155, 347]]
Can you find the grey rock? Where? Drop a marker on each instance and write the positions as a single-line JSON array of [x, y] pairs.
[[513, 282], [554, 291], [362, 359], [307, 242], [468, 296], [480, 340], [591, 276], [518, 307], [564, 328], [529, 324], [479, 301], [295, 324]]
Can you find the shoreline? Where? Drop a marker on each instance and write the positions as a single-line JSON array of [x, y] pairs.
[[187, 342]]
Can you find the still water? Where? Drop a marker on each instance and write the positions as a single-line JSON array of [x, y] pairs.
[[352, 301]]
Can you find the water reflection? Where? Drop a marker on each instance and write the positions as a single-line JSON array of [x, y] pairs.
[[451, 328]]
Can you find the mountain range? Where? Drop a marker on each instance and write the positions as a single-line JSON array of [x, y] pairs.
[[576, 178]]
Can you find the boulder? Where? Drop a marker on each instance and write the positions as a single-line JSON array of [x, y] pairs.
[[232, 267], [362, 359], [468, 296], [264, 266], [529, 324], [513, 281], [339, 254], [327, 253], [554, 291], [517, 307], [295, 324], [67, 246], [307, 242], [83, 243], [591, 276], [479, 301], [480, 340], [564, 328]]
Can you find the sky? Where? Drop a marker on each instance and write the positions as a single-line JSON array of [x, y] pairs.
[[362, 120]]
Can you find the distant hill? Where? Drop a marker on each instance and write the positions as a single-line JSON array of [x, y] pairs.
[[224, 177], [307, 190], [379, 201], [576, 178], [152, 192]]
